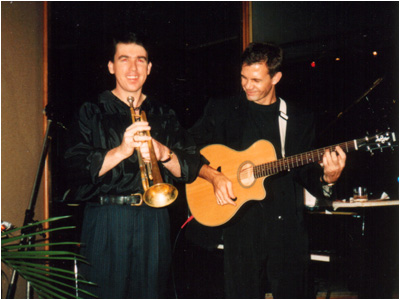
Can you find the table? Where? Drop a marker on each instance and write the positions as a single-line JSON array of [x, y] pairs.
[[370, 203]]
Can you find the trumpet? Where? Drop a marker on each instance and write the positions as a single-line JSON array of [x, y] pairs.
[[159, 194]]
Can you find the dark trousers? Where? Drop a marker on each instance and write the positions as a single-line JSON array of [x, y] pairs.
[[128, 250], [263, 253]]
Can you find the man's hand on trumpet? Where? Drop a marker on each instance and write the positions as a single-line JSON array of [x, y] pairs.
[[134, 139], [161, 151]]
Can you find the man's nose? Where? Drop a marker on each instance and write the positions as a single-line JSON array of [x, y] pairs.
[[248, 85], [133, 65]]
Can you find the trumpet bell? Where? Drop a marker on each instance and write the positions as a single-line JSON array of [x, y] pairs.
[[160, 195]]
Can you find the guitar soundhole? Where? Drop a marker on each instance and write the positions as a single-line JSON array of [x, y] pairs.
[[246, 175]]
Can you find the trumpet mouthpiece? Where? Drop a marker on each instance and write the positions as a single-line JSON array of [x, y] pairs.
[[131, 99]]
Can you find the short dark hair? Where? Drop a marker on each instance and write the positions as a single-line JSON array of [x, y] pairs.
[[127, 38], [269, 53]]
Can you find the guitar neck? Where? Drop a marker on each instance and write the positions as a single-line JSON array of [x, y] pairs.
[[299, 160]]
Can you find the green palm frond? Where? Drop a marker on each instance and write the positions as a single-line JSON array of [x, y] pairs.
[[36, 265]]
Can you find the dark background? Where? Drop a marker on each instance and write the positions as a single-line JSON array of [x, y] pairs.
[[195, 50], [196, 55]]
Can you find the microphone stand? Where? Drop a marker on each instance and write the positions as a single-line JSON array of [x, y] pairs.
[[29, 213], [341, 114]]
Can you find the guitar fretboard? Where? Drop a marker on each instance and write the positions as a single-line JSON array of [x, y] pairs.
[[299, 160]]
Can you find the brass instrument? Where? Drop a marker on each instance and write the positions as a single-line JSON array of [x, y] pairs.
[[160, 194]]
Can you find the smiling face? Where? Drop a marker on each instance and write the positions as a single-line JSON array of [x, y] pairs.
[[258, 85], [131, 68]]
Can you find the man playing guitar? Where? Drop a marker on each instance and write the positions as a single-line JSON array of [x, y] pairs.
[[267, 238]]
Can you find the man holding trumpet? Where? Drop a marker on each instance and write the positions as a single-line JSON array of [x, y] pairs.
[[126, 240]]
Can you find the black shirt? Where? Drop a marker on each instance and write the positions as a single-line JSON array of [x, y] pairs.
[[262, 123], [100, 126]]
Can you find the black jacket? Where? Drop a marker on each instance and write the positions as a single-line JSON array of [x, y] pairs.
[[223, 123]]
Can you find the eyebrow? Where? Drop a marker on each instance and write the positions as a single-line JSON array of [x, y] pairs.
[[251, 78], [127, 56]]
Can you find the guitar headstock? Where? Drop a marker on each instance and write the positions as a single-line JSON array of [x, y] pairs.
[[378, 141]]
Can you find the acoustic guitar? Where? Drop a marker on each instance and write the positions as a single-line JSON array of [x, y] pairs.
[[247, 170]]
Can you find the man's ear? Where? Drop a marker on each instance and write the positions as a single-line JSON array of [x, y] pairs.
[[277, 77], [149, 65], [110, 67]]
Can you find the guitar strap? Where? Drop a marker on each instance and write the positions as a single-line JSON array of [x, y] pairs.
[[309, 200], [283, 117]]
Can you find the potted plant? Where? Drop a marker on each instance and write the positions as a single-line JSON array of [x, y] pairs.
[[35, 264]]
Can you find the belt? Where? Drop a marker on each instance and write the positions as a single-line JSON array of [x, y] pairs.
[[133, 200]]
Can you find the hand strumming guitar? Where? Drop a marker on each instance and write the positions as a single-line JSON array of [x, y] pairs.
[[223, 188]]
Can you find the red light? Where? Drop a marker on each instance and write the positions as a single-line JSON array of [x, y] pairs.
[[313, 64]]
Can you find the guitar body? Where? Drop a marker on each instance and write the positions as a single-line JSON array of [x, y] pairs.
[[238, 167]]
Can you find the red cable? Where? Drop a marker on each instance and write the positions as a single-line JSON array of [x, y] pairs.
[[187, 221]]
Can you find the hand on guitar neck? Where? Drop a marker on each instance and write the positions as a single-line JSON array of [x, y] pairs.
[[333, 164]]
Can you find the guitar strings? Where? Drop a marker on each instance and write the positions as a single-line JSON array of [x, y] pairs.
[[298, 160]]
